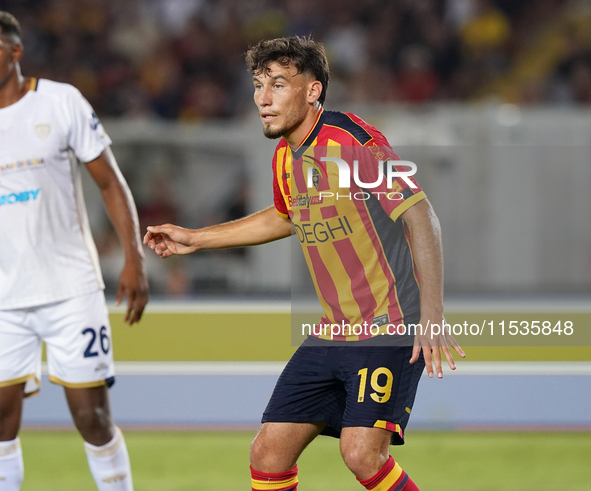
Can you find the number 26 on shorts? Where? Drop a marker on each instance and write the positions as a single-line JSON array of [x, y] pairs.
[[104, 342], [382, 392]]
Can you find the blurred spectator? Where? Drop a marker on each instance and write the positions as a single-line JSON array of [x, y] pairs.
[[345, 43], [488, 29], [177, 282], [580, 82], [204, 97], [160, 208], [457, 12], [416, 82], [569, 78]]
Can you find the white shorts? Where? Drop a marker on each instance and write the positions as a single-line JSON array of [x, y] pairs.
[[77, 335]]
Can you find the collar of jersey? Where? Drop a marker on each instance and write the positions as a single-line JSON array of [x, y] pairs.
[[310, 137], [32, 88]]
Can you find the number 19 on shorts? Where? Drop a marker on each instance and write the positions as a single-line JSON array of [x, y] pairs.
[[382, 392]]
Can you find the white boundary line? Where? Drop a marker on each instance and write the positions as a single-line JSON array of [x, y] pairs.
[[216, 306], [567, 306], [274, 368], [535, 305], [204, 368]]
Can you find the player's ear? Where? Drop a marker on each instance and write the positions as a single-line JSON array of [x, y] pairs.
[[17, 52], [314, 91]]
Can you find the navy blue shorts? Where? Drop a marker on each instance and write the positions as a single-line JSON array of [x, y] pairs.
[[344, 386]]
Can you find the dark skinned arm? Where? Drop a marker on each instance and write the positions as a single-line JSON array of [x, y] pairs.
[[133, 282]]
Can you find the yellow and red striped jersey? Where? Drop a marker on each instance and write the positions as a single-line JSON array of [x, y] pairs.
[[358, 252]]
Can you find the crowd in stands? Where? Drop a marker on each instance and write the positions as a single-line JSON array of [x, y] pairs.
[[184, 59]]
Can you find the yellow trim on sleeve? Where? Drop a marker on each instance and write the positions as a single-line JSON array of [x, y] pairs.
[[83, 385], [284, 215], [413, 200]]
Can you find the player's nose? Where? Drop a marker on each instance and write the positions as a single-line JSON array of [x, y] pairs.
[[265, 97]]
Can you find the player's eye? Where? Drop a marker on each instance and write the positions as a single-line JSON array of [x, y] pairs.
[[278, 86]]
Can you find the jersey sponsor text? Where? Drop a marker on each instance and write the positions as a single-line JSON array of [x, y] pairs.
[[14, 198]]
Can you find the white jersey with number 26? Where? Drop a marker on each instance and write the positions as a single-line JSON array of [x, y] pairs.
[[47, 253]]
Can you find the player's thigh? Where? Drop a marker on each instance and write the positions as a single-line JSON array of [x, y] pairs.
[[78, 340], [381, 386], [20, 350], [308, 390], [11, 407], [277, 446]]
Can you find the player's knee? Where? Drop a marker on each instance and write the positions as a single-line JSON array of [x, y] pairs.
[[93, 420], [361, 461], [263, 459], [258, 453]]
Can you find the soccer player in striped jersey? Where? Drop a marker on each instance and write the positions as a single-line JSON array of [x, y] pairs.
[[373, 246]]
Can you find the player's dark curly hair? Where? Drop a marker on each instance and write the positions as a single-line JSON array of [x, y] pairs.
[[9, 26], [304, 53]]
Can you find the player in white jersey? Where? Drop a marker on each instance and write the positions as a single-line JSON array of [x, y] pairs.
[[51, 287]]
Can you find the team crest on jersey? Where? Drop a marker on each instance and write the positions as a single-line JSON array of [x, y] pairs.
[[43, 130], [315, 178], [317, 168]]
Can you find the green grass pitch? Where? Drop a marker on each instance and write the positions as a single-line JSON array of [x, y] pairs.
[[208, 461]]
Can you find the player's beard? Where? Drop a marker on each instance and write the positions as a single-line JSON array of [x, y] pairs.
[[273, 133], [292, 120]]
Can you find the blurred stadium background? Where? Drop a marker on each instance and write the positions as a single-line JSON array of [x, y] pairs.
[[491, 98]]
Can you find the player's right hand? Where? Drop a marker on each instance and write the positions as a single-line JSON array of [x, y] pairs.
[[169, 240]]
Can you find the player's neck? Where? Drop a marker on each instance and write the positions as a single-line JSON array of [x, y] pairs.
[[13, 88], [296, 137]]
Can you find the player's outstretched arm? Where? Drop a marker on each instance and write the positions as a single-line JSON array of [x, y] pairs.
[[428, 256], [259, 228], [133, 280]]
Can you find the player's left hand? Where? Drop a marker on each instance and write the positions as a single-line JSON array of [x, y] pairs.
[[432, 341], [133, 284]]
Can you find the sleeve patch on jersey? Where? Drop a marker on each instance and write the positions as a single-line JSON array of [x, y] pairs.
[[94, 121]]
